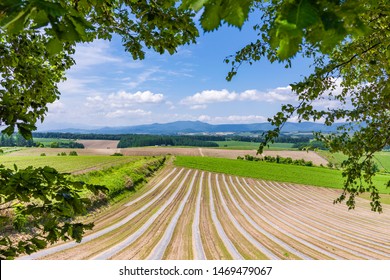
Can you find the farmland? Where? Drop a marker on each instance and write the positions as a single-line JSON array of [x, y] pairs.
[[69, 164], [242, 145], [317, 176], [191, 214]]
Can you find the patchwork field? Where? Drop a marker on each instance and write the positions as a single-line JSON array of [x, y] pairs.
[[222, 153], [191, 214]]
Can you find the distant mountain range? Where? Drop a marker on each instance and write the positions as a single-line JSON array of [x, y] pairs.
[[197, 127]]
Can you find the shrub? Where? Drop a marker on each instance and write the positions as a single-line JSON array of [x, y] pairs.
[[43, 155], [73, 153], [117, 155]]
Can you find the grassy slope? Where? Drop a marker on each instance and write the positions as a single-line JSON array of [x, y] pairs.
[[64, 163], [382, 159], [316, 176], [240, 145]]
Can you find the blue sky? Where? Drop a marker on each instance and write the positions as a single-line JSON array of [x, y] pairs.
[[107, 87]]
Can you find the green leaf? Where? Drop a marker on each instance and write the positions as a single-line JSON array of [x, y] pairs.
[[54, 46], [211, 19]]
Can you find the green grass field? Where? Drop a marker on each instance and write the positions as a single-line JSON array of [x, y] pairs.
[[241, 145], [65, 163], [382, 159], [316, 176]]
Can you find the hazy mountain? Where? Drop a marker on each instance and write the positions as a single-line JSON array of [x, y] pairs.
[[185, 127]]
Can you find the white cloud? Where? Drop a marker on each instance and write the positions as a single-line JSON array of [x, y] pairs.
[[95, 53], [198, 107], [56, 107], [210, 96], [123, 99], [216, 96], [233, 119], [145, 76], [128, 113]]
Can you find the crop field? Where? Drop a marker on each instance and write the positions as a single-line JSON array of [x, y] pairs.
[[242, 145], [71, 164], [191, 214], [99, 144], [317, 176], [221, 153], [382, 159]]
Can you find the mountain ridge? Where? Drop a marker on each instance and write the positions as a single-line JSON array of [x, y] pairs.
[[198, 127]]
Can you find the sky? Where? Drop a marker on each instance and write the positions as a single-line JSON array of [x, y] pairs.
[[107, 87]]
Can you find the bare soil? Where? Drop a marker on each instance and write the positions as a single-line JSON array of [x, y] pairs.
[[302, 218]]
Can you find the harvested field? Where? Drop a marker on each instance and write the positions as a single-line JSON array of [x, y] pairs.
[[192, 214], [233, 154], [99, 144]]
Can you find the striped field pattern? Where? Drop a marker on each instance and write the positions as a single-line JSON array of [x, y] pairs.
[[191, 214]]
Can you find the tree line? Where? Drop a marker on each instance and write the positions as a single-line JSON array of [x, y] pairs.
[[136, 140]]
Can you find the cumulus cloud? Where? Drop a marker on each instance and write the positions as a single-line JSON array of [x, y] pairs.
[[139, 97], [128, 113], [209, 96], [233, 119], [124, 99], [217, 96], [56, 107]]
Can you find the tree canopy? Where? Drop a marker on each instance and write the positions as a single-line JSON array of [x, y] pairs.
[[349, 44], [347, 40]]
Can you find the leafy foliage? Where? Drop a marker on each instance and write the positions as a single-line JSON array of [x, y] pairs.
[[40, 204], [37, 39], [349, 44]]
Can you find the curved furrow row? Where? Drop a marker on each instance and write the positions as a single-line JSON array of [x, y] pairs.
[[162, 245], [361, 204], [361, 228], [100, 233], [112, 251], [91, 248], [180, 246], [313, 196], [319, 233], [258, 227], [329, 248], [151, 190], [323, 221], [188, 214], [213, 245], [198, 249], [112, 217], [264, 250], [221, 232], [296, 237]]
